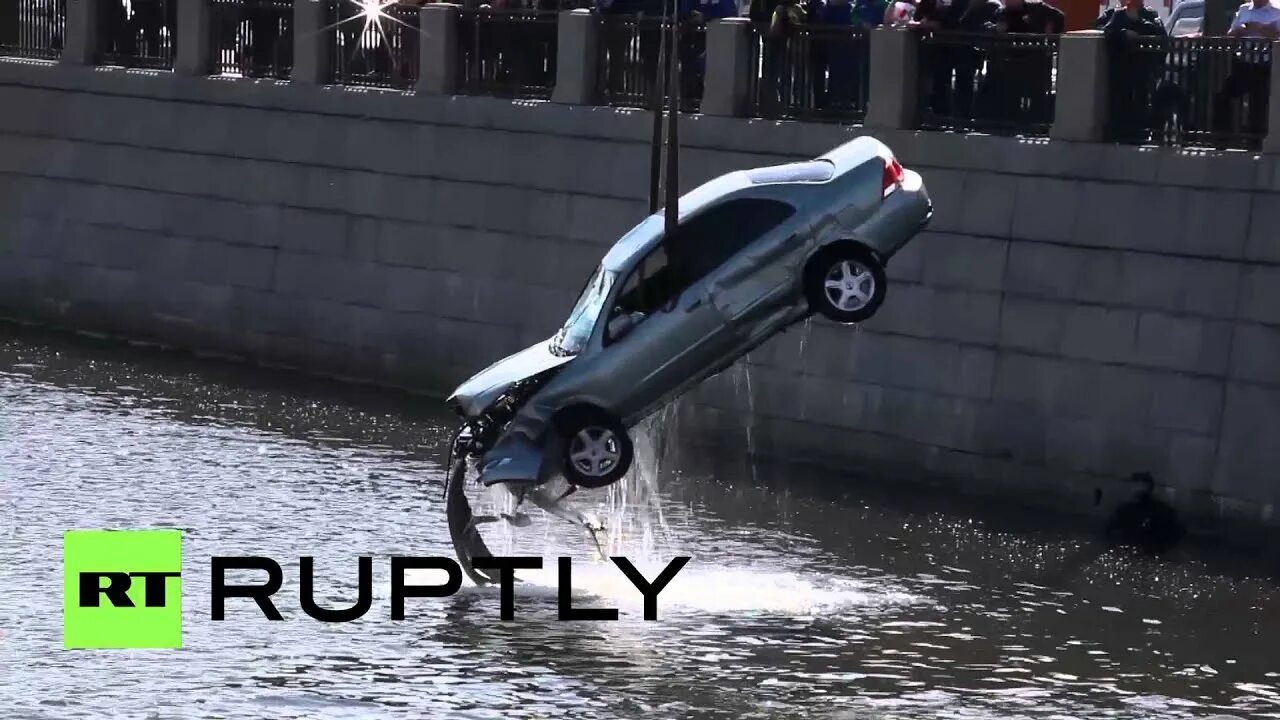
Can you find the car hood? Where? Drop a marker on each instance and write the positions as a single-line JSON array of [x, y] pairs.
[[477, 394]]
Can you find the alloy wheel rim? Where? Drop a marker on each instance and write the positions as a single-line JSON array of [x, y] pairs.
[[849, 286], [594, 451]]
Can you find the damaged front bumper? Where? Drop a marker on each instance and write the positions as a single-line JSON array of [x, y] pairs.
[[520, 457]]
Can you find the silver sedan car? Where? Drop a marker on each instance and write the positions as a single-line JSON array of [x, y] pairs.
[[755, 251]]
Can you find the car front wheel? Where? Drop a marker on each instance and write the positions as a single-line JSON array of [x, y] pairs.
[[597, 450], [845, 284]]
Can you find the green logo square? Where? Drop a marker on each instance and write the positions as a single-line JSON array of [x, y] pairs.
[[122, 589]]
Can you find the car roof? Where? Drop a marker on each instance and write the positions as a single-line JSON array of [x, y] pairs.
[[640, 237], [806, 172]]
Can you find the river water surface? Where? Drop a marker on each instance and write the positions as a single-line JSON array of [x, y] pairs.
[[806, 596]]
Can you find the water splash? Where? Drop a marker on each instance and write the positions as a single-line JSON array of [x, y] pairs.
[[804, 338], [633, 506], [725, 590], [741, 380]]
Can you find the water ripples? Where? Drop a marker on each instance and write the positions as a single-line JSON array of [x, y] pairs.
[[798, 603]]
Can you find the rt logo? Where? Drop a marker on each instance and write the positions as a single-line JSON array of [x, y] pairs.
[[122, 589]]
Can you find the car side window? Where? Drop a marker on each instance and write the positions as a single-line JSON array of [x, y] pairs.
[[696, 248], [709, 240]]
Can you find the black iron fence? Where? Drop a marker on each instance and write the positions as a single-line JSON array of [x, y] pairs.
[[32, 28], [253, 38], [1191, 91], [811, 72], [508, 53], [374, 45], [999, 83], [629, 53], [138, 33]]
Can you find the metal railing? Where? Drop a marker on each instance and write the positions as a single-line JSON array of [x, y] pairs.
[[813, 72], [32, 28], [138, 33], [508, 53], [375, 51], [1000, 83], [1190, 91], [629, 50], [253, 38]]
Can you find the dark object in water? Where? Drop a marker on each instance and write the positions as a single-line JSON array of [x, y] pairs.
[[1145, 522], [467, 542]]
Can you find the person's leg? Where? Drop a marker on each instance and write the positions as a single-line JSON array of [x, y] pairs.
[[1233, 87], [262, 39], [170, 8], [617, 37], [1038, 86], [821, 49], [149, 18], [1120, 88], [651, 60], [966, 73], [1259, 97], [940, 73]]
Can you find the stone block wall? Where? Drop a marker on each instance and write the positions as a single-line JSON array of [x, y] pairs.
[[1076, 312]]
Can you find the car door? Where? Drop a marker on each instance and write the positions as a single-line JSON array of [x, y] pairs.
[[687, 331], [656, 356], [752, 271]]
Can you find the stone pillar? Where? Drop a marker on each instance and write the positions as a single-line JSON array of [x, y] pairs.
[[1080, 110], [81, 45], [728, 67], [195, 38], [312, 42], [438, 55], [577, 58], [1271, 143], [895, 79]]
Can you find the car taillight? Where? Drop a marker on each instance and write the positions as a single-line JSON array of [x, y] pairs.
[[893, 175]]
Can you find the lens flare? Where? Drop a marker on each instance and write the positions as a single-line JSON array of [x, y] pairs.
[[375, 14]]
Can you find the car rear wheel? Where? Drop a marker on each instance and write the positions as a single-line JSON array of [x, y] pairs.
[[845, 283], [597, 450]]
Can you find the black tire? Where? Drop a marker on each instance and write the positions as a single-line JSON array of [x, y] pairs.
[[596, 450], [854, 302]]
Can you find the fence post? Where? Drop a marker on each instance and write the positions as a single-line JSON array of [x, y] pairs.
[[728, 67], [81, 46], [1271, 143], [895, 79], [577, 57], [311, 42], [195, 37], [1080, 108], [438, 55]]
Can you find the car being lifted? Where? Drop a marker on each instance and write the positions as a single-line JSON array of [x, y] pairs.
[[754, 252]]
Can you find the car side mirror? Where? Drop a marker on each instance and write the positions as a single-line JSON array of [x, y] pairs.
[[623, 324]]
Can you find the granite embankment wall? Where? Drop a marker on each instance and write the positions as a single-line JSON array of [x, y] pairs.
[[1075, 313]]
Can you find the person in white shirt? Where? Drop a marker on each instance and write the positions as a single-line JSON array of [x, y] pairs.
[[1250, 73]]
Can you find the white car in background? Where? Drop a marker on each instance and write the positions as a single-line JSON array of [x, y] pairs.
[[1186, 19]]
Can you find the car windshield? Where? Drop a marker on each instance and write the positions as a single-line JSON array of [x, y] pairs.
[[577, 329]]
